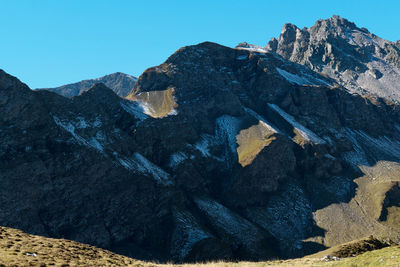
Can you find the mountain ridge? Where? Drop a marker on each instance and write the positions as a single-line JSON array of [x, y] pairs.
[[358, 60], [119, 82], [217, 153]]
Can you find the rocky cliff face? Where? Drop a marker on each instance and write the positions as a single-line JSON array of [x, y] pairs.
[[119, 82], [358, 60], [217, 153]]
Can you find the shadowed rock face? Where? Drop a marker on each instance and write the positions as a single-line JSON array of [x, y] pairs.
[[119, 82], [217, 153]]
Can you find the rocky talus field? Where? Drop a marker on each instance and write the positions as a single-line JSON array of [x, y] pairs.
[[219, 154]]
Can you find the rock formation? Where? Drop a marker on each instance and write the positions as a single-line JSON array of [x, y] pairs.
[[217, 153]]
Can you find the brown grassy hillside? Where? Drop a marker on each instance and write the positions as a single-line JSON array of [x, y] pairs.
[[20, 249]]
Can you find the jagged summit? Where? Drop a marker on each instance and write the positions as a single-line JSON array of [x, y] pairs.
[[358, 60], [335, 22], [321, 26], [119, 82]]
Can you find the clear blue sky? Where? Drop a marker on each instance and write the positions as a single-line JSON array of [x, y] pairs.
[[47, 43]]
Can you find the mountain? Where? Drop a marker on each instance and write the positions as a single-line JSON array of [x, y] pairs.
[[119, 82], [358, 60], [218, 153]]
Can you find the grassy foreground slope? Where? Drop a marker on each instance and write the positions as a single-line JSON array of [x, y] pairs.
[[20, 249], [386, 257]]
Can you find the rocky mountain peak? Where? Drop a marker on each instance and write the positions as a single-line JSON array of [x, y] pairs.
[[119, 82], [335, 23], [360, 61], [288, 32]]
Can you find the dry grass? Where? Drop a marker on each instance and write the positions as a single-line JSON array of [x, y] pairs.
[[20, 249], [251, 141], [385, 257], [159, 104], [353, 248]]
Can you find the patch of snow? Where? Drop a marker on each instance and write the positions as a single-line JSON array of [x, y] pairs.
[[203, 145], [135, 109], [316, 80], [159, 174], [293, 78], [227, 129], [177, 158], [253, 48], [381, 148], [206, 141], [304, 79], [367, 147], [357, 156], [237, 227], [127, 163], [147, 109], [95, 144], [131, 77], [187, 233], [261, 119], [242, 57], [303, 131], [173, 112], [71, 129], [81, 124], [139, 164]]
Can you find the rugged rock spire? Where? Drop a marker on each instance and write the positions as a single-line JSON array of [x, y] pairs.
[[360, 61]]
